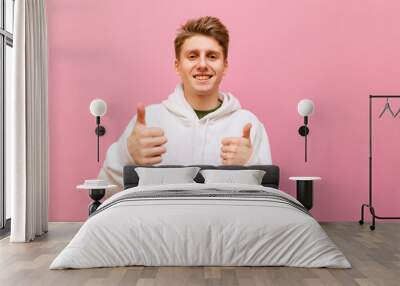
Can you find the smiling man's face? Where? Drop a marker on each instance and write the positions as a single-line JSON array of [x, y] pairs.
[[201, 65]]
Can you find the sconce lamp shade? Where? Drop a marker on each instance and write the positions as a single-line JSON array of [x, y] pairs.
[[305, 107], [98, 107]]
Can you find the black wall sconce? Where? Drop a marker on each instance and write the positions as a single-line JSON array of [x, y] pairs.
[[305, 108], [98, 108]]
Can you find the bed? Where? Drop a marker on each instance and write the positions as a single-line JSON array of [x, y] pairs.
[[201, 224]]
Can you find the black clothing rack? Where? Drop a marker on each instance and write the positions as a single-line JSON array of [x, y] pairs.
[[369, 205]]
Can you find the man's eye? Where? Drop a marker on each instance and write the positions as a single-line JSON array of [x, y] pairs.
[[192, 56], [213, 57]]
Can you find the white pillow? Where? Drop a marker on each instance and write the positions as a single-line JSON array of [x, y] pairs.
[[249, 177], [162, 176]]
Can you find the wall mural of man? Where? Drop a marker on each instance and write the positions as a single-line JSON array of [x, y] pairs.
[[197, 123]]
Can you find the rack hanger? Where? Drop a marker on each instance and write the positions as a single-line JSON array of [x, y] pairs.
[[387, 107]]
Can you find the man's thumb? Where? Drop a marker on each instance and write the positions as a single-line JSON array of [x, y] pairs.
[[246, 131], [141, 118]]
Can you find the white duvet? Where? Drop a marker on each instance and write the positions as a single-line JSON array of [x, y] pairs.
[[182, 231]]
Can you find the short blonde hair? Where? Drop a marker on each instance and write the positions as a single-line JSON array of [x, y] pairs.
[[207, 26]]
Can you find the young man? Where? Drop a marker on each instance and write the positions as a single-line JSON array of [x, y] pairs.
[[197, 124]]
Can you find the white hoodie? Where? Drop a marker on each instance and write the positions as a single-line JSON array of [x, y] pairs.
[[190, 140]]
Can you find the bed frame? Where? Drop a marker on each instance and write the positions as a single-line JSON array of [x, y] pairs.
[[270, 179]]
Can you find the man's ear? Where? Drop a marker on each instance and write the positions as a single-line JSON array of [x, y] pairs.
[[225, 67], [177, 67]]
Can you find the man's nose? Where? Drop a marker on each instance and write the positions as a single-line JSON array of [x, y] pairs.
[[202, 62]]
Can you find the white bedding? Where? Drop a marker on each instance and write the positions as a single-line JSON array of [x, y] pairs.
[[186, 230]]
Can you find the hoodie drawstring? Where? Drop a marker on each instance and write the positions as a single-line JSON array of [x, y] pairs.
[[205, 140]]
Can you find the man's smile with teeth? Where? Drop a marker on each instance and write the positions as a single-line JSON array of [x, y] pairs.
[[202, 77]]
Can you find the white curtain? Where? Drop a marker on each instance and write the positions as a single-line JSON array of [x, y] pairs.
[[27, 124]]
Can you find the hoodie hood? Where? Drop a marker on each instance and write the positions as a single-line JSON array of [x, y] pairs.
[[178, 105]]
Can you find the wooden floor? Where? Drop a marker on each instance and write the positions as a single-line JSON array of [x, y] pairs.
[[374, 255]]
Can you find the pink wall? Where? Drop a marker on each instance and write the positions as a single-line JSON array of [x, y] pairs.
[[333, 52]]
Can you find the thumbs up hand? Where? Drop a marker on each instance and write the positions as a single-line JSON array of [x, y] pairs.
[[237, 150], [145, 144]]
